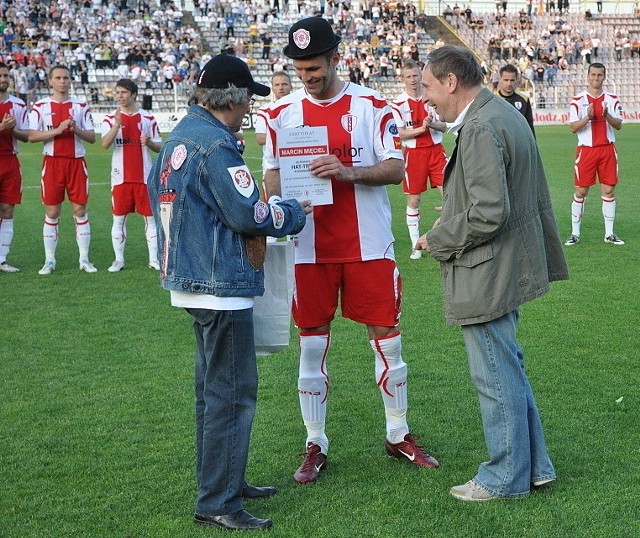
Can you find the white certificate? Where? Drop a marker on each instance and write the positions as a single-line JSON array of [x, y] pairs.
[[296, 148]]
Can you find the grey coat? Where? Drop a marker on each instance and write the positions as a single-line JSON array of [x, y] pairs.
[[497, 241]]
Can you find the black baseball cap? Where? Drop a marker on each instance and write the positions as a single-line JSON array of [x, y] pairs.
[[310, 37], [224, 69]]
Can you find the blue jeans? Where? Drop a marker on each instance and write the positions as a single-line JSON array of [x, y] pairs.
[[226, 386], [512, 427]]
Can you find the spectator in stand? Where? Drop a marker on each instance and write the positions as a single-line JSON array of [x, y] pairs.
[[593, 116], [595, 45], [267, 41]]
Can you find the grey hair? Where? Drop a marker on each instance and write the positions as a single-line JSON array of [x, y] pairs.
[[219, 98], [459, 61]]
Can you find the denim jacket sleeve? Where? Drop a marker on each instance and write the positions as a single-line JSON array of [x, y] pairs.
[[225, 183]]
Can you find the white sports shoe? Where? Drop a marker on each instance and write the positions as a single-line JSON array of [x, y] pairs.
[[116, 266], [154, 265], [87, 266], [416, 254], [6, 268], [48, 268]]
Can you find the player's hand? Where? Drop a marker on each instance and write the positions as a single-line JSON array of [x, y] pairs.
[[8, 123], [329, 166], [605, 110], [118, 117], [590, 113], [66, 125], [144, 139]]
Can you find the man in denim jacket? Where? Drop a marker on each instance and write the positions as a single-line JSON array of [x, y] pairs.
[[498, 245], [212, 234]]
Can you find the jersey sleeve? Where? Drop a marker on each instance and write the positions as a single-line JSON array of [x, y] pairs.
[[260, 122], [386, 140], [35, 118], [107, 125], [86, 118], [574, 110]]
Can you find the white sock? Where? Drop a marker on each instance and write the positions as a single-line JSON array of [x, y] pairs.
[[83, 236], [313, 386], [413, 224], [391, 377], [609, 214], [50, 238], [119, 236], [577, 210], [6, 236], [151, 233]]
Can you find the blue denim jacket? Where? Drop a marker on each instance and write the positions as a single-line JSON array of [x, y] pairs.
[[211, 221]]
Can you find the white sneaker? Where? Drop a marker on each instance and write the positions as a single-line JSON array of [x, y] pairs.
[[87, 266], [613, 239], [416, 254], [48, 268], [116, 266], [154, 265], [6, 268]]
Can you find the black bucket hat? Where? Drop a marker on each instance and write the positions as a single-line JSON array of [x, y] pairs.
[[310, 37]]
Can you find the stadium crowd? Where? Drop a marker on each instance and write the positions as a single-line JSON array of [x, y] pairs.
[[145, 42], [150, 42]]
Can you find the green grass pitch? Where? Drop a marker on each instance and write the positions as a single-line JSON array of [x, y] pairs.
[[96, 390]]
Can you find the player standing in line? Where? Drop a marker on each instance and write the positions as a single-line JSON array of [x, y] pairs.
[[132, 132], [593, 116], [280, 86], [13, 127], [507, 85], [421, 131], [63, 123], [345, 249]]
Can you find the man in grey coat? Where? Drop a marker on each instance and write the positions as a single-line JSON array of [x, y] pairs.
[[498, 246]]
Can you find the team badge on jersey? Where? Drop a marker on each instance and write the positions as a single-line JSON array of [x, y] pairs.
[[260, 212], [242, 180], [518, 105], [349, 122], [302, 38], [277, 215], [393, 129], [178, 156]]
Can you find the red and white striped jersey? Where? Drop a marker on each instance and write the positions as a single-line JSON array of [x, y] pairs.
[[362, 132], [409, 114], [16, 108], [260, 120], [48, 114], [131, 161], [597, 132]]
